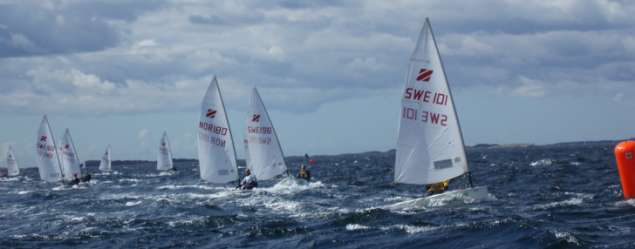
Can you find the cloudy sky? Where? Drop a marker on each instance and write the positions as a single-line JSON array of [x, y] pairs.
[[330, 72]]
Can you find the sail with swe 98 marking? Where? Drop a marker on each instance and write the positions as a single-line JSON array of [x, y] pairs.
[[216, 152], [430, 144], [263, 150]]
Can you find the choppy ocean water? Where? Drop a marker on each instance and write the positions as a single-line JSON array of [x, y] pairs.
[[558, 196]]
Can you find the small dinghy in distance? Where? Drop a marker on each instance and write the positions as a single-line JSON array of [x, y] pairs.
[[106, 160], [12, 164], [70, 160], [164, 160], [264, 153], [216, 152], [430, 145]]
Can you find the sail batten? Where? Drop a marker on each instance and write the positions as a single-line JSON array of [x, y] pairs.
[[263, 149], [216, 151], [164, 160], [430, 145]]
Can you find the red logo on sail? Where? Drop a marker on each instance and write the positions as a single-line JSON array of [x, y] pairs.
[[424, 74], [255, 118], [211, 113], [43, 138]]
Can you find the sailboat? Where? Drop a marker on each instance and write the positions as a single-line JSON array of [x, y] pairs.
[[216, 151], [430, 146], [48, 161], [164, 161], [105, 163], [265, 157], [12, 163], [70, 159]]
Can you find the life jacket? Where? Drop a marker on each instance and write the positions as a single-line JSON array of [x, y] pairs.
[[304, 174], [436, 188], [249, 182]]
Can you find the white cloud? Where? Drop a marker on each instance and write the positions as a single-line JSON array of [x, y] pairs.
[[142, 136], [306, 54], [529, 88]]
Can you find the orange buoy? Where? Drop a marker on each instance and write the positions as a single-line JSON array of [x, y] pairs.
[[625, 158]]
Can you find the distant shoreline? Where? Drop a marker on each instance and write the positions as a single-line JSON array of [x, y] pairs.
[[468, 147]]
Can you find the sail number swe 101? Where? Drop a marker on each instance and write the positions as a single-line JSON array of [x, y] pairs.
[[424, 116]]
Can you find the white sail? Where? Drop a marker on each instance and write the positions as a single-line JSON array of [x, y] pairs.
[[164, 161], [265, 154], [430, 144], [216, 152], [12, 163], [105, 163], [47, 158], [70, 160]]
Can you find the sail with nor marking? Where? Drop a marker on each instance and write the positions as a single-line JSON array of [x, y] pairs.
[[265, 156], [216, 152], [105, 165], [47, 158], [430, 144], [164, 161], [70, 160], [12, 163]]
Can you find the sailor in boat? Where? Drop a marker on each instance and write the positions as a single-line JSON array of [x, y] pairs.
[[437, 188], [86, 178], [249, 181], [304, 173], [75, 180]]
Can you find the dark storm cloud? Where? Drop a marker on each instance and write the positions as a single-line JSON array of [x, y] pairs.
[[31, 28]]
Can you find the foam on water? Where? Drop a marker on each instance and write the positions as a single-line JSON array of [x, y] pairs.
[[576, 200], [132, 203], [291, 185], [541, 162], [351, 206], [449, 198], [353, 227], [178, 187]]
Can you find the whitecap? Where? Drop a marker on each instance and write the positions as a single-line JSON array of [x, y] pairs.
[[568, 237], [132, 203], [410, 229], [576, 200], [541, 162], [291, 185], [353, 227], [458, 197], [176, 187]]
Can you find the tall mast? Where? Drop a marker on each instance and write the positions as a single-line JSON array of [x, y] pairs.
[[59, 163], [228, 128], [434, 41]]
